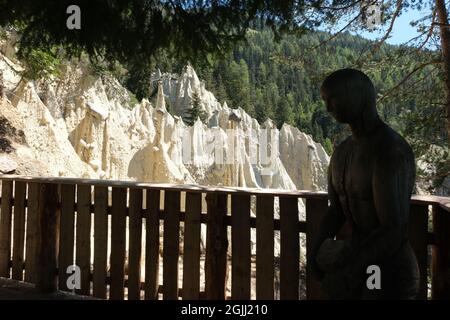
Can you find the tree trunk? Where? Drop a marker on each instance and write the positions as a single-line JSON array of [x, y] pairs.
[[445, 47]]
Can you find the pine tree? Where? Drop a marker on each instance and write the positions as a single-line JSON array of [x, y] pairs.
[[195, 111], [283, 113]]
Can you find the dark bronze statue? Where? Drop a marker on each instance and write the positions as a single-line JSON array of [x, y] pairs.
[[370, 181]]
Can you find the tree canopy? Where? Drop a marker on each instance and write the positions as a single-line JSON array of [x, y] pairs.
[[132, 30]]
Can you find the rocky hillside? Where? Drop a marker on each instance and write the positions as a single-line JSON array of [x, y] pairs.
[[79, 125]]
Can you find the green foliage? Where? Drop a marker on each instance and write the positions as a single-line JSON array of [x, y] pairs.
[[195, 111], [284, 113], [41, 65], [131, 31], [428, 138], [327, 145], [237, 86], [133, 100], [139, 82], [283, 79], [3, 34], [100, 68]]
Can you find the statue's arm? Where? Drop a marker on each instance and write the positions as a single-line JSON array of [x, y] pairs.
[[329, 226], [391, 183]]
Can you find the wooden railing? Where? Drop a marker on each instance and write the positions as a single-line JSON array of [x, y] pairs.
[[50, 224]]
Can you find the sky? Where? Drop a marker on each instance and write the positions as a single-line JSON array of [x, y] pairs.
[[402, 30]]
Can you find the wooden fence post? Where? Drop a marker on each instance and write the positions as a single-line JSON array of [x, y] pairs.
[[191, 249], [216, 247], [316, 209], [118, 238], [171, 244], [152, 245], [264, 247], [19, 230], [441, 254], [5, 228], [32, 232], [240, 246], [418, 232], [47, 249], [290, 249]]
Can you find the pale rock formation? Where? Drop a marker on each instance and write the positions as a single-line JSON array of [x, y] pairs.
[[84, 126], [50, 144], [7, 165], [303, 158], [297, 163]]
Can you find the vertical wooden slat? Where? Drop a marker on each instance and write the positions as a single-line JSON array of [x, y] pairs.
[[264, 248], [240, 246], [66, 236], [152, 244], [83, 236], [5, 228], [19, 230], [418, 230], [118, 224], [191, 251], [31, 239], [316, 209], [171, 242], [216, 246], [135, 235], [441, 254], [290, 248], [100, 241], [47, 238]]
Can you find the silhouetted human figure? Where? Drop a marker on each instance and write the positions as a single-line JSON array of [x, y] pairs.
[[370, 180]]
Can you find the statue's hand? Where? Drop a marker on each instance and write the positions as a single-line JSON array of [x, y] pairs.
[[316, 272], [341, 284], [332, 255], [313, 267]]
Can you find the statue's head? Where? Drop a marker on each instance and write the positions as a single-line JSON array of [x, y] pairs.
[[349, 96]]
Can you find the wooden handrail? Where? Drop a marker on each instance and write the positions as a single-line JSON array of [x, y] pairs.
[[167, 186], [443, 202]]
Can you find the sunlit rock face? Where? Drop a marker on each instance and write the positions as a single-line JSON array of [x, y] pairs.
[[253, 154], [84, 126]]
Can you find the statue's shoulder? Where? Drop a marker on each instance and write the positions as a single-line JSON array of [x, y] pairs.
[[341, 150], [393, 146], [343, 147], [395, 156]]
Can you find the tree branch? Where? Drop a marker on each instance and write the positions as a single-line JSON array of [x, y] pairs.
[[419, 67], [335, 8], [337, 33], [378, 44], [398, 9], [430, 31]]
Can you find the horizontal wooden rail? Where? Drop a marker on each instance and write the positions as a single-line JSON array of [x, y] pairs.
[[167, 187], [443, 202]]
